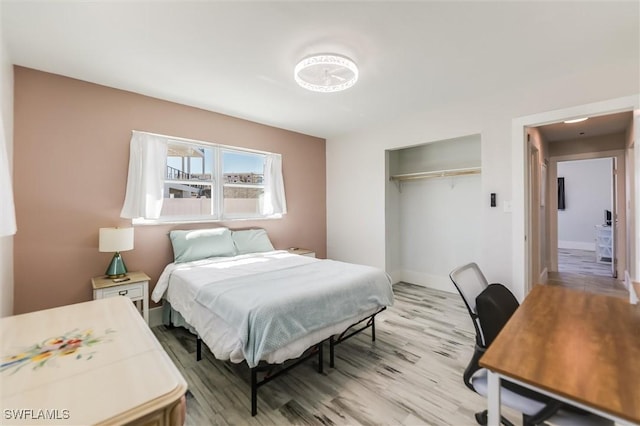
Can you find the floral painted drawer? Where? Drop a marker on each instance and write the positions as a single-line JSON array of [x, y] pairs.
[[90, 363]]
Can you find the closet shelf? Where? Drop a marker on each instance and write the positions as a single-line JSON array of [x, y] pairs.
[[436, 174]]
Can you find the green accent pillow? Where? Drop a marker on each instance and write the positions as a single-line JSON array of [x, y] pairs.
[[196, 244], [252, 241]]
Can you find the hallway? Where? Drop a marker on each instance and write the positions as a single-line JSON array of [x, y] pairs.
[[579, 270]]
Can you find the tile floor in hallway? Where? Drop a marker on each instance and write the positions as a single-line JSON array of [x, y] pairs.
[[579, 270]]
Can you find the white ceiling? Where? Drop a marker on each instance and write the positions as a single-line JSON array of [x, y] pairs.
[[237, 58]]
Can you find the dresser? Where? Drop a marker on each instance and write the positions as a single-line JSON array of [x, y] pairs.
[[90, 363], [604, 241]]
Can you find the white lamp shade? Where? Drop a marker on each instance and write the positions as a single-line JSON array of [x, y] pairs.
[[115, 239]]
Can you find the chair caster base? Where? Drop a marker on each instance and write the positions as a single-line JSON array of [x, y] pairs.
[[482, 418]]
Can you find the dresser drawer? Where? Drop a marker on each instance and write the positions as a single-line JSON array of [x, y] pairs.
[[132, 291]]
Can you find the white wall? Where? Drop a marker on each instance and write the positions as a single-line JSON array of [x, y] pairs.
[[456, 153], [6, 109], [356, 166], [587, 195], [440, 228]]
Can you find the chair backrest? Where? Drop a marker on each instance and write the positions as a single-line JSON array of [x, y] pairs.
[[495, 305], [470, 282]]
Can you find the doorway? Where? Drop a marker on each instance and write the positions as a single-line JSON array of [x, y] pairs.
[[586, 204], [521, 250], [586, 238]]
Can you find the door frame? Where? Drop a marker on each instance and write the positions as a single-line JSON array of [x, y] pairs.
[[534, 199], [620, 197], [520, 182]]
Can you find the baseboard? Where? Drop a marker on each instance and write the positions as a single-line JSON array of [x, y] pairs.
[[427, 280], [155, 316], [396, 276], [544, 276], [577, 245], [633, 287], [627, 280]]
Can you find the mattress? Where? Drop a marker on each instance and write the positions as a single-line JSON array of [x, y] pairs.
[[180, 284]]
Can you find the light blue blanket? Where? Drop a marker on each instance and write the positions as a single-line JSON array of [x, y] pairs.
[[270, 310]]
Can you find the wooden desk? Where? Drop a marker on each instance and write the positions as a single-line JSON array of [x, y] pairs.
[[578, 347], [90, 363]]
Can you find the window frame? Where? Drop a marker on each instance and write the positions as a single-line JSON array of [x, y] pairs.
[[217, 186]]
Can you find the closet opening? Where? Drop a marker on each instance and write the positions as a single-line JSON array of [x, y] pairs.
[[433, 210]]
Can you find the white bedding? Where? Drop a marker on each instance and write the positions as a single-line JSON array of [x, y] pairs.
[[180, 283]]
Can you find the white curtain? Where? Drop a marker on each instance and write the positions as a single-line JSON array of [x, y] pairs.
[[145, 184], [274, 201], [7, 206]]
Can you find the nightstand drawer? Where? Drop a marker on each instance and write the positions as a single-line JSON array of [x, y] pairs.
[[135, 288], [132, 291]]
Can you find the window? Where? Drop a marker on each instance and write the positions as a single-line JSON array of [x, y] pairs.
[[190, 190], [189, 182], [200, 182], [243, 183]]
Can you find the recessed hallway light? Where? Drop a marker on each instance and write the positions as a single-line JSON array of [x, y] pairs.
[[576, 120]]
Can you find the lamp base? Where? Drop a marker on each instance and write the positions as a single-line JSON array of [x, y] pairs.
[[117, 268]]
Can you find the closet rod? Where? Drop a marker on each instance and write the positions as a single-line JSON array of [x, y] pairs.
[[437, 174]]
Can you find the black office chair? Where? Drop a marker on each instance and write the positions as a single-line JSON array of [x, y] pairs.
[[490, 307]]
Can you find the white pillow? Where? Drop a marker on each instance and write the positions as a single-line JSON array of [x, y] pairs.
[[251, 241], [199, 244]]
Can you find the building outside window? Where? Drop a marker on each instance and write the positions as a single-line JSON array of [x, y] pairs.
[[212, 182]]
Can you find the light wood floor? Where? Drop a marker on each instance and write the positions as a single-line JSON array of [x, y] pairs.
[[411, 375], [579, 270]]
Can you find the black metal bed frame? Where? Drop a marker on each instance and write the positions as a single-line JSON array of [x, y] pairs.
[[275, 370], [333, 342]]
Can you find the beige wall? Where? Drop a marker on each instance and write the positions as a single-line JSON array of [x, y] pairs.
[[630, 182], [539, 211], [587, 145], [71, 154]]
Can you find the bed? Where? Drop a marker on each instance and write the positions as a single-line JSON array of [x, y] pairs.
[[251, 303]]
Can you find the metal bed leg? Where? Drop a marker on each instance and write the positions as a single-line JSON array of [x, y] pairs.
[[332, 362], [373, 328], [254, 391], [348, 333], [270, 375]]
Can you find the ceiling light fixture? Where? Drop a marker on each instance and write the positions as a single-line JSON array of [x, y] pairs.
[[576, 120], [326, 73]]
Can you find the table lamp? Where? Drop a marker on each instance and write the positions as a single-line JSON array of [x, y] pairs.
[[116, 240]]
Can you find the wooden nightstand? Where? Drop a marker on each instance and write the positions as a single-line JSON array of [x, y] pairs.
[[136, 289], [301, 251]]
